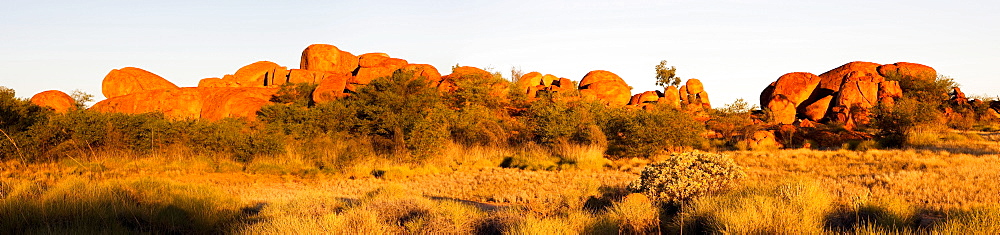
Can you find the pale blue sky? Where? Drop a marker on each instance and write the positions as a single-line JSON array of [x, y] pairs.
[[735, 47]]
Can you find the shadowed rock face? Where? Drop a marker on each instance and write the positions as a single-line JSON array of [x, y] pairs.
[[56, 100], [130, 80], [606, 86], [844, 95]]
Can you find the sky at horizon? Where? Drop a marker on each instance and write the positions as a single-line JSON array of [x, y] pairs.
[[736, 48]]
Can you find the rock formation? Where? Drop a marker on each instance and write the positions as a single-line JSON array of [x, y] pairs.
[[130, 80], [843, 95], [328, 58], [375, 65], [331, 88], [605, 86], [191, 102], [257, 74], [534, 83], [56, 100], [448, 82]]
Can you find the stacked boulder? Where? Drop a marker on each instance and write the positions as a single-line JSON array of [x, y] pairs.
[[336, 73], [691, 98], [534, 84], [844, 95]]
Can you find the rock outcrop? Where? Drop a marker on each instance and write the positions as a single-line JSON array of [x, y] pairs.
[[534, 83], [448, 82], [130, 80], [333, 87], [605, 86], [376, 65], [257, 74], [191, 102], [844, 95], [328, 58], [56, 100]]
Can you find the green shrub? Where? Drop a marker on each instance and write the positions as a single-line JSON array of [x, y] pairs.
[[896, 122], [298, 94], [734, 123], [83, 132], [642, 133], [684, 176], [400, 115], [554, 121]]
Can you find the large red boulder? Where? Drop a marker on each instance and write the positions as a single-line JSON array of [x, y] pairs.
[[261, 74], [175, 104], [369, 60], [908, 70], [694, 86], [192, 102], [671, 97], [816, 109], [332, 88], [645, 97], [130, 80], [606, 86], [889, 91], [857, 93], [833, 80], [783, 110], [765, 95], [307, 76], [385, 68], [527, 80], [328, 58], [56, 100], [243, 102], [796, 87], [425, 71]]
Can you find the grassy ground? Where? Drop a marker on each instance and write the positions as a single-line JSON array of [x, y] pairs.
[[928, 190]]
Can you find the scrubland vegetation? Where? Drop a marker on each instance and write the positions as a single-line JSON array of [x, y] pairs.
[[400, 157]]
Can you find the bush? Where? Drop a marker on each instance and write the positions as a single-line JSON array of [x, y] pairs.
[[17, 116], [734, 123], [896, 122], [554, 121], [298, 94], [684, 176], [83, 132], [401, 115], [642, 133]]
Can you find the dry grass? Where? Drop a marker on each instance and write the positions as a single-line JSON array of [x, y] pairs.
[[924, 190]]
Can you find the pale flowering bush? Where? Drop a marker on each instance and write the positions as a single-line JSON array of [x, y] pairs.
[[687, 175]]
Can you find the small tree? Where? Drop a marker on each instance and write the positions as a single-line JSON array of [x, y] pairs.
[[666, 76], [684, 176]]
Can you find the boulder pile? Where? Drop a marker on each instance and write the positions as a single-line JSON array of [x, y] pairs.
[[241, 94], [338, 74], [844, 95]]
